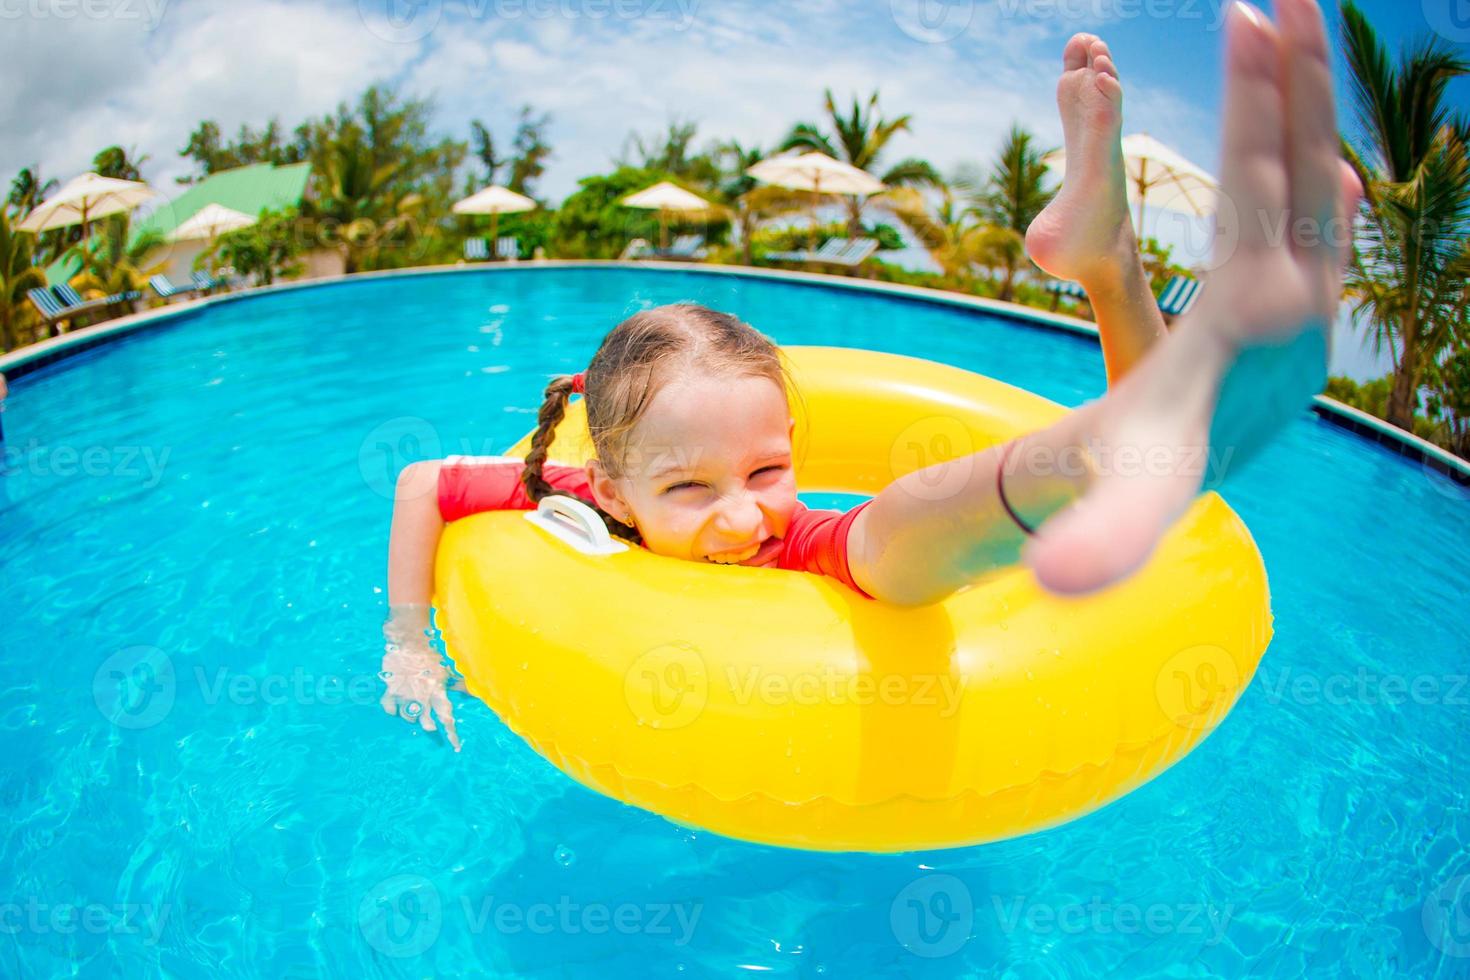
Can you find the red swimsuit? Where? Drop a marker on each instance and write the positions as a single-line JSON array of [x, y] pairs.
[[815, 541]]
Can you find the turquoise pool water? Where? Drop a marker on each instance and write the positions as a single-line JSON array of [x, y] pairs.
[[196, 779]]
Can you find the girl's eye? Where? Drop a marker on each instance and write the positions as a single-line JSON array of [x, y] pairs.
[[775, 468]]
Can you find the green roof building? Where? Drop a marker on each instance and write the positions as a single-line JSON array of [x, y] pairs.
[[250, 189]]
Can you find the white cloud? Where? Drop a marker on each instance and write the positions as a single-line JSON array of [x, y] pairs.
[[742, 70], [81, 84]]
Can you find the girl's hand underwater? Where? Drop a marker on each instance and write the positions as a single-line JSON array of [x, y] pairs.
[[414, 673]]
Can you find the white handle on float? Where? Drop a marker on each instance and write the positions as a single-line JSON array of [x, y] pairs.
[[575, 523]]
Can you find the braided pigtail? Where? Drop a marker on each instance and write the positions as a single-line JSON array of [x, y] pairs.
[[553, 410]]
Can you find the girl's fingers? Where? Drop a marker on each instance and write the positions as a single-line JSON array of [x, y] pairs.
[[1253, 176], [445, 711], [1313, 151]]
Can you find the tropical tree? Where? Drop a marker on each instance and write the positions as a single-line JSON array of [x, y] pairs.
[[484, 150], [1407, 277], [29, 189], [859, 138], [952, 232], [119, 163], [377, 177], [672, 152], [530, 150], [17, 274], [112, 261], [748, 201], [1012, 197], [265, 250], [208, 149]]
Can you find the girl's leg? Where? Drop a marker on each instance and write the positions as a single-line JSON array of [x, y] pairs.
[[1086, 234], [1105, 483]]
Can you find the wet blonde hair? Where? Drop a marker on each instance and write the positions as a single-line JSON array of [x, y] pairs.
[[635, 360]]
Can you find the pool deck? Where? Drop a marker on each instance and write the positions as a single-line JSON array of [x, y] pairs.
[[22, 362]]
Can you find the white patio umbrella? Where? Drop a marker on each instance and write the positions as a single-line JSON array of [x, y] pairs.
[[666, 198], [210, 221], [818, 173], [85, 199], [1158, 177], [494, 200]]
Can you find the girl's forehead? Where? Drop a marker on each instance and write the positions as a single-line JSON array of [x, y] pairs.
[[724, 417]]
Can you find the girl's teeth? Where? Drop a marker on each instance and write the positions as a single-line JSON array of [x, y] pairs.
[[736, 559]]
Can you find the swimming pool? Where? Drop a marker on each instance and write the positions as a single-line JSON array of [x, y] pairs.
[[197, 780]]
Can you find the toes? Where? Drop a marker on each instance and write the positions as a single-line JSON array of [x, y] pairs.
[[1101, 58], [1109, 86], [1075, 54]]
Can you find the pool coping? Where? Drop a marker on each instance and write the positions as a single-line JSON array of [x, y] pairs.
[[19, 363]]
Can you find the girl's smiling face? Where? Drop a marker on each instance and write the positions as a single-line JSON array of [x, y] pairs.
[[708, 474]]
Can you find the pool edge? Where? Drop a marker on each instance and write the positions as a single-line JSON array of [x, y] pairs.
[[19, 363]]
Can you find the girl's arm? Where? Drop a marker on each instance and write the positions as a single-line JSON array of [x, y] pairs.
[[414, 673]]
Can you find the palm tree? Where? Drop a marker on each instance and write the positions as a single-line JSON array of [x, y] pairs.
[[112, 262], [17, 274], [859, 138], [748, 201], [952, 233], [1408, 273], [28, 189], [1013, 196], [355, 193]]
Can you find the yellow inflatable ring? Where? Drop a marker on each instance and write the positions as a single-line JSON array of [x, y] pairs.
[[783, 708]]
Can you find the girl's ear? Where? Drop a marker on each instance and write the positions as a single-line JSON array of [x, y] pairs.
[[605, 492]]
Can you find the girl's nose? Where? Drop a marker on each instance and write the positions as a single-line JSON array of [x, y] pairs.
[[739, 517]]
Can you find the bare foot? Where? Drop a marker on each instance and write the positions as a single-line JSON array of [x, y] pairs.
[[1086, 232], [1247, 359]]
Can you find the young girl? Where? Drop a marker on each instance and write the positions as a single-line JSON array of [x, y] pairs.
[[687, 406]]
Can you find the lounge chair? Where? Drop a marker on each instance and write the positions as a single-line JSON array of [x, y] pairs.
[[507, 249], [1061, 287], [830, 247], [853, 254], [204, 282], [74, 303], [636, 249], [1178, 296], [167, 290], [684, 247], [46, 304], [475, 250]]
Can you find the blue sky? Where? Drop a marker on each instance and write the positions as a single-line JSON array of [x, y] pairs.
[[84, 74]]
